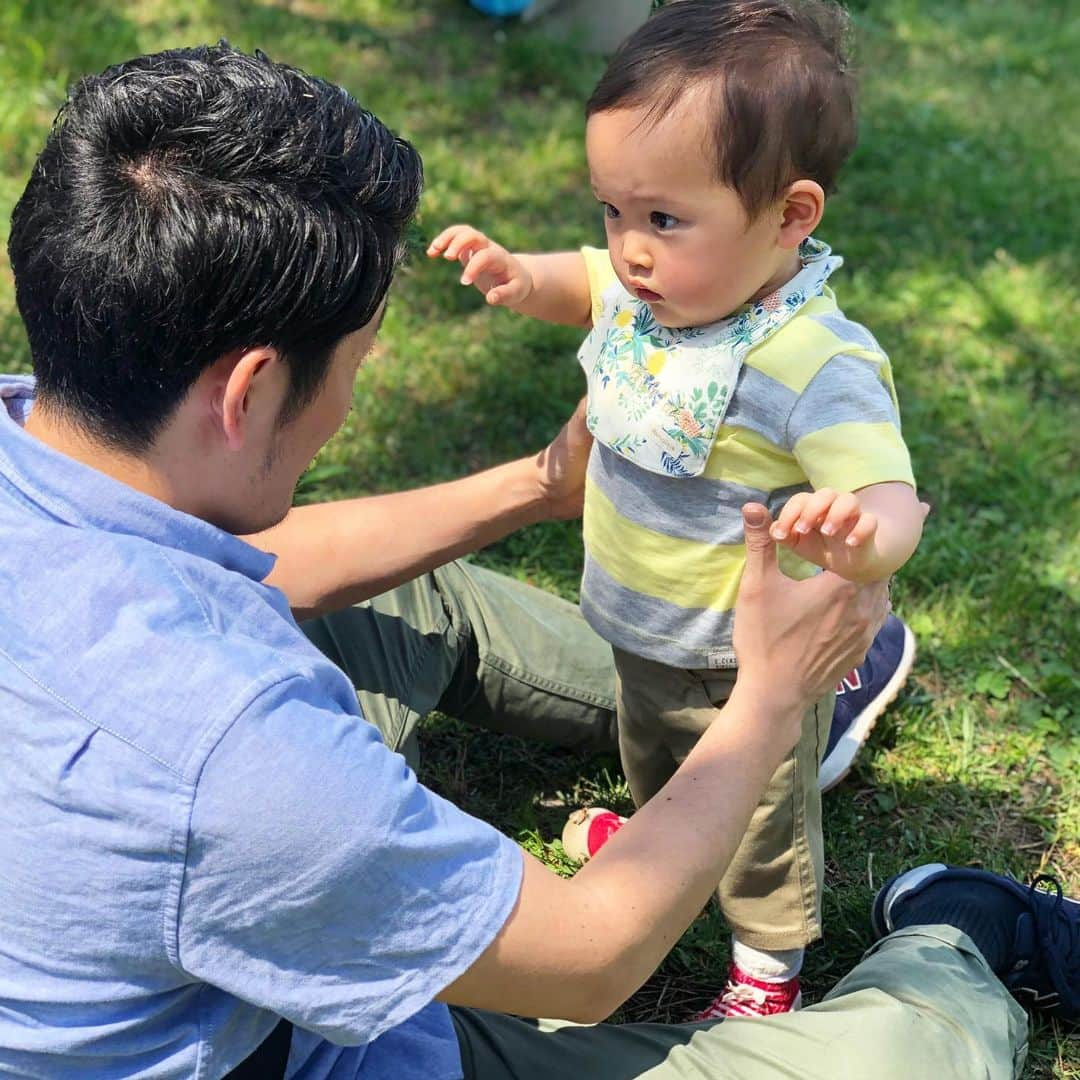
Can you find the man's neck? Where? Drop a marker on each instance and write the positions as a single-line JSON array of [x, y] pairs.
[[68, 439]]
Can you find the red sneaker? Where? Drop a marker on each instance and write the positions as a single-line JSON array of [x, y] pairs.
[[587, 831], [746, 996]]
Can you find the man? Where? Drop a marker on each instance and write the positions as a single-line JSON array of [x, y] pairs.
[[203, 838]]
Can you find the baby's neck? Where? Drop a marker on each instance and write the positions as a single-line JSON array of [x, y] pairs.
[[788, 268]]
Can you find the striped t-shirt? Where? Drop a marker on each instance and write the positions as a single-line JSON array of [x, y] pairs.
[[814, 406]]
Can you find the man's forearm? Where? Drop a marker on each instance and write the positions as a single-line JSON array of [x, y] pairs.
[[578, 948], [607, 929], [332, 555], [672, 852]]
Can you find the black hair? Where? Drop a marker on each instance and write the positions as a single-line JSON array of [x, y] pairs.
[[194, 202], [781, 90]]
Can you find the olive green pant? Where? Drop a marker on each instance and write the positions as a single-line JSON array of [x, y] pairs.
[[478, 646], [497, 653], [771, 893], [922, 1003]]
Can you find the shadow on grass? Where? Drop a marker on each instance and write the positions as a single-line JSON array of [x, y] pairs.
[[871, 833]]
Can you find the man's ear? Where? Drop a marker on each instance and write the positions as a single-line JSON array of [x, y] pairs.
[[801, 208], [246, 378]]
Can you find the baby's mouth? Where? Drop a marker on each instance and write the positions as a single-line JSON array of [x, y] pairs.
[[647, 295]]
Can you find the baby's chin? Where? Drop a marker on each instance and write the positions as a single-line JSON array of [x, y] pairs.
[[671, 318]]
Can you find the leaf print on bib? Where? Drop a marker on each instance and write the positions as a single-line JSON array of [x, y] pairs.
[[658, 395]]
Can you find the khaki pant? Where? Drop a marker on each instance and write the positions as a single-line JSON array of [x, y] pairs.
[[771, 893], [492, 651]]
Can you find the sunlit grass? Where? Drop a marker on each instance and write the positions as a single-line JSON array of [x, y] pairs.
[[958, 219]]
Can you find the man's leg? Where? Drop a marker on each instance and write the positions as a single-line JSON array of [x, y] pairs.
[[479, 646], [923, 1002], [931, 998]]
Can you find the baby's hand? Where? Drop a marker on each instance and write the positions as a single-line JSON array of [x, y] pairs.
[[502, 278], [828, 528]]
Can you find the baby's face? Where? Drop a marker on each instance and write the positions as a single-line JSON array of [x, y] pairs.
[[678, 239]]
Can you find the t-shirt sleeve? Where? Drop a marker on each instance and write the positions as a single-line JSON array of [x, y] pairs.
[[844, 429], [601, 275], [323, 881]]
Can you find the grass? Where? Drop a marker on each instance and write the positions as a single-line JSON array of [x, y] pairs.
[[958, 219]]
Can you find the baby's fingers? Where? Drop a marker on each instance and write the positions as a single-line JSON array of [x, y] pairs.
[[489, 260], [510, 293], [788, 516], [462, 240], [842, 515], [814, 510], [438, 245], [863, 530]]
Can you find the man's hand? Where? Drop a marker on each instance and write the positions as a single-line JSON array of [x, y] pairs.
[[562, 465], [503, 279], [806, 632], [578, 948]]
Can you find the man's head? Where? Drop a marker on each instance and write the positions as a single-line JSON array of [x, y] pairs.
[[713, 137], [196, 205]]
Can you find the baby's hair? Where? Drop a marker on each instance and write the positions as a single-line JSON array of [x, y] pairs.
[[781, 93]]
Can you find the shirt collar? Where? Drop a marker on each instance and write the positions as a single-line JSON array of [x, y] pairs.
[[57, 486]]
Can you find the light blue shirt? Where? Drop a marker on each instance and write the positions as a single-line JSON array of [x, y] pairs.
[[198, 831]]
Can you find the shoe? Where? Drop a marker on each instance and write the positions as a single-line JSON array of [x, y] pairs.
[[1042, 969], [586, 831], [863, 695], [745, 996]]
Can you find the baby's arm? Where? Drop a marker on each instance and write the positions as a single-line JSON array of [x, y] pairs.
[[554, 288], [863, 536]]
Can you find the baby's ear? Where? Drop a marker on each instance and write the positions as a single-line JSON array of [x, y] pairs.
[[801, 207]]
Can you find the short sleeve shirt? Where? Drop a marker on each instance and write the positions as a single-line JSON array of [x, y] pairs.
[[814, 406], [201, 832]]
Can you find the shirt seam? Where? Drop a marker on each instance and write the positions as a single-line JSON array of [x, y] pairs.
[[186, 586], [97, 724]]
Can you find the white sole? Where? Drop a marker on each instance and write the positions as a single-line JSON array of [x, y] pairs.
[[841, 760], [905, 884]]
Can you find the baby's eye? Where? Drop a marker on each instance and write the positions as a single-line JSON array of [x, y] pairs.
[[663, 221], [610, 211]]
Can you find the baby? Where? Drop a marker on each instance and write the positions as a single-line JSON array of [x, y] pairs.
[[720, 371]]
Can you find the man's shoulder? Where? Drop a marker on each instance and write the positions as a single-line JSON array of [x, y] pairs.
[[150, 645]]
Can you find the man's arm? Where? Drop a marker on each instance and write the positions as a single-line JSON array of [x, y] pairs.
[[332, 555], [578, 948]]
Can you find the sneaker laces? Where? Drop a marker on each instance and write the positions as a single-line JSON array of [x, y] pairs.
[[1059, 938], [743, 994]]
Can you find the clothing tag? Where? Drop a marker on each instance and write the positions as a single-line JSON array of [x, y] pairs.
[[657, 396]]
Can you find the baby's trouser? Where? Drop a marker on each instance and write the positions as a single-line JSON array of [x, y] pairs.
[[771, 892]]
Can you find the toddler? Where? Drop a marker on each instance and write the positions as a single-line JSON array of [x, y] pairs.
[[720, 371]]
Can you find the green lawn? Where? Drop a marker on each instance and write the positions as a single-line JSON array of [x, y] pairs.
[[959, 224]]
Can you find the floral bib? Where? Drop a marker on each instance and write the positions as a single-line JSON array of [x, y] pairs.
[[657, 396]]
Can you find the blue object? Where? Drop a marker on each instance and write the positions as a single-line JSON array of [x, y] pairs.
[[500, 7], [197, 820], [863, 695], [1043, 964]]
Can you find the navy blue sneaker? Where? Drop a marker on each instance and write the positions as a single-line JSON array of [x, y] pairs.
[[1040, 962], [863, 695]]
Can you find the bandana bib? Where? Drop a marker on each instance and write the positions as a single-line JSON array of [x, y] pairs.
[[657, 396]]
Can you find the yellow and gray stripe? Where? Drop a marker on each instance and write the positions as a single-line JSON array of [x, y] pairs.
[[814, 406]]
